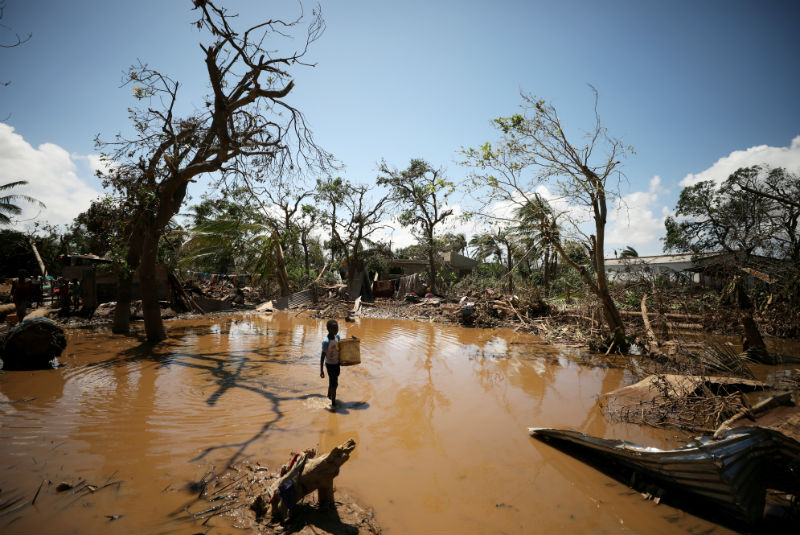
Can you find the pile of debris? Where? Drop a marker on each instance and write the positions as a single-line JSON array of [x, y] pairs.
[[226, 290], [488, 309], [690, 402], [252, 497]]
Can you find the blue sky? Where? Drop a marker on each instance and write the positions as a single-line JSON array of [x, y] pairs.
[[697, 88]]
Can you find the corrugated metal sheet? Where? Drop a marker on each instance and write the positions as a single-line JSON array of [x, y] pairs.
[[732, 473], [294, 300]]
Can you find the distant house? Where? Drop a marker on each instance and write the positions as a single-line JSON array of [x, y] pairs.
[[676, 266], [460, 264], [709, 269], [102, 283]]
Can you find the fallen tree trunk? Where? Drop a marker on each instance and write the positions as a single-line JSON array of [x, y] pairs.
[[7, 309], [753, 343], [648, 329], [669, 315], [180, 298]]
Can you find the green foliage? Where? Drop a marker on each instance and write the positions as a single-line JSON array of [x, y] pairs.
[[8, 202], [100, 229], [726, 216], [567, 282], [17, 254], [412, 252], [228, 235], [421, 192]]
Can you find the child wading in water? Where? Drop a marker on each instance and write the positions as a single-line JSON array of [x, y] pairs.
[[330, 357]]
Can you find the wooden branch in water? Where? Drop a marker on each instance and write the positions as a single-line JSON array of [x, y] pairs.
[[648, 329], [33, 502], [761, 407]]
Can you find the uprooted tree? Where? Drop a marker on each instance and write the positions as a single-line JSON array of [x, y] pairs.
[[534, 151], [244, 124]]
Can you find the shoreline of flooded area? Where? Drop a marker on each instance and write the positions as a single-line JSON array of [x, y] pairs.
[[440, 415]]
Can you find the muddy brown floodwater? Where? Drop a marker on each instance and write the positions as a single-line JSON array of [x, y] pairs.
[[440, 415]]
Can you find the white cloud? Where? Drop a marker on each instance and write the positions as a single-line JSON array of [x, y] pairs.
[[401, 236], [394, 232], [52, 177], [788, 157], [95, 163], [633, 221]]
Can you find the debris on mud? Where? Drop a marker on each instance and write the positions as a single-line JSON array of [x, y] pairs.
[[250, 496], [690, 402]]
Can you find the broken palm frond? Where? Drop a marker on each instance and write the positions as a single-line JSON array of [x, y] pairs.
[[724, 358]]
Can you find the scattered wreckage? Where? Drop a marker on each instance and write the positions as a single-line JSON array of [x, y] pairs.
[[264, 501], [731, 473], [747, 447]]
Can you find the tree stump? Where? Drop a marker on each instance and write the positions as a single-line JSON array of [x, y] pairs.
[[306, 474]]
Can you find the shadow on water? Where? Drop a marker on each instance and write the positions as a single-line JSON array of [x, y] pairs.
[[322, 517], [229, 372], [344, 407]]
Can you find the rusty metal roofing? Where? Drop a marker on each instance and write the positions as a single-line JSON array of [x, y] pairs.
[[731, 473]]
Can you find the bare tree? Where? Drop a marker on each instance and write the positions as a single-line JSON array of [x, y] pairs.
[[421, 191], [17, 39], [281, 202], [353, 214], [245, 124], [534, 151], [330, 193]]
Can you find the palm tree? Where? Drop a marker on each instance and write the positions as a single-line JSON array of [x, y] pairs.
[[538, 224], [8, 204], [484, 246], [629, 252]]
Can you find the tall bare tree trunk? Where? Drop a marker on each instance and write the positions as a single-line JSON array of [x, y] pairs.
[[42, 267], [510, 270], [122, 312], [151, 309], [304, 243], [612, 315], [280, 265], [432, 263], [546, 271]]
